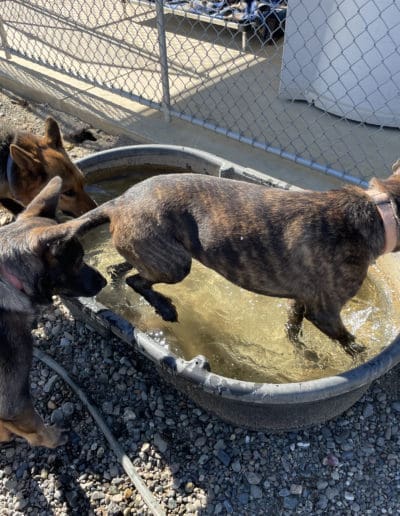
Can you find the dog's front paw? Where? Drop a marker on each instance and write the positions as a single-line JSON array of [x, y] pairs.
[[300, 348], [53, 437], [6, 217], [354, 349], [118, 270], [166, 309], [303, 352]]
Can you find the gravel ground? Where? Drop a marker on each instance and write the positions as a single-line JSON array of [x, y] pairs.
[[192, 462]]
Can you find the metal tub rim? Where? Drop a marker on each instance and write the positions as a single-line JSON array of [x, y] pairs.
[[348, 386]]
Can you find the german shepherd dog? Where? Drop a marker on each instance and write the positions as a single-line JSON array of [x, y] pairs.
[[28, 162], [36, 262], [312, 247]]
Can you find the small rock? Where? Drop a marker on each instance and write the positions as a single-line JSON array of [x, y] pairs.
[[10, 452], [200, 441], [252, 478], [21, 470], [57, 417], [129, 415], [128, 493], [97, 495], [335, 475], [303, 444], [256, 492], [228, 507], [171, 504], [396, 406], [223, 457], [160, 443], [236, 466], [21, 504], [322, 502], [189, 486], [290, 502], [296, 489], [243, 498], [330, 460], [108, 407], [368, 410], [68, 409], [64, 342], [48, 386]]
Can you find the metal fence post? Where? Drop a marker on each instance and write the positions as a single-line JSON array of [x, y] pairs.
[[166, 100], [3, 39]]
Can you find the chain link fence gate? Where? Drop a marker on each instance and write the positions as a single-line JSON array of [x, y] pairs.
[[325, 95]]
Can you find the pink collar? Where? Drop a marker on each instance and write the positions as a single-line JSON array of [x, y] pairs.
[[11, 279], [390, 220]]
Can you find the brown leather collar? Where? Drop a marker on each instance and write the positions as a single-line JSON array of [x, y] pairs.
[[387, 211]]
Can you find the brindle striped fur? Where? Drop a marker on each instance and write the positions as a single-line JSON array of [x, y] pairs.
[[312, 247]]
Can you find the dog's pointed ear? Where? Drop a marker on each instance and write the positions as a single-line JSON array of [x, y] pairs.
[[45, 203], [377, 184], [54, 237], [396, 167], [53, 133], [57, 235], [23, 159]]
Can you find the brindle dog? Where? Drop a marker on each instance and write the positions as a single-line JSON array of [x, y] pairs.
[[28, 162], [312, 247], [35, 264]]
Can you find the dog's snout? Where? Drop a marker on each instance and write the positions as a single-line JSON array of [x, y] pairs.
[[102, 281], [94, 281]]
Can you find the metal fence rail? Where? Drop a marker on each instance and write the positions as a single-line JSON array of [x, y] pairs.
[[325, 95]]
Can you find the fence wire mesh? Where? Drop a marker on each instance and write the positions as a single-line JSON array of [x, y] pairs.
[[315, 82]]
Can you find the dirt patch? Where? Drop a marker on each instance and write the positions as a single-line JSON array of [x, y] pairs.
[[24, 115]]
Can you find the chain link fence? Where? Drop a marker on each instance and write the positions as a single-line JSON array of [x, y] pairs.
[[313, 81]]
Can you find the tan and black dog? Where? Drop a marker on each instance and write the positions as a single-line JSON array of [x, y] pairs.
[[312, 247], [28, 162], [34, 265]]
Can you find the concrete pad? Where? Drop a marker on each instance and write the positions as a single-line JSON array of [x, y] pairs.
[[117, 114]]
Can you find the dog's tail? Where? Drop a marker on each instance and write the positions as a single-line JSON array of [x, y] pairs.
[[92, 219]]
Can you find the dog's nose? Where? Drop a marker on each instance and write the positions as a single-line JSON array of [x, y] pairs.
[[102, 281]]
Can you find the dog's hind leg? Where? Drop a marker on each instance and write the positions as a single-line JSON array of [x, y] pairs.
[[295, 319], [293, 327], [329, 322], [30, 426]]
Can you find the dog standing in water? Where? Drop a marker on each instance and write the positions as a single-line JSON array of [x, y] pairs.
[[312, 247]]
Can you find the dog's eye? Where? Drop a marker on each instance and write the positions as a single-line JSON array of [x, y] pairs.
[[69, 193]]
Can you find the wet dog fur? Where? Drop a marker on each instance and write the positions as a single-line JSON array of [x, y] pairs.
[[28, 162], [311, 247], [34, 265]]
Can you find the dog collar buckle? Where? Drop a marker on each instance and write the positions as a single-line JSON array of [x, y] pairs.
[[389, 218]]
